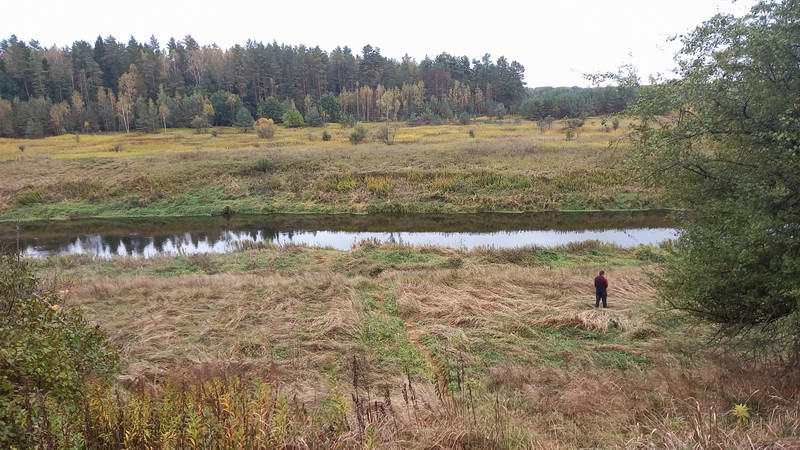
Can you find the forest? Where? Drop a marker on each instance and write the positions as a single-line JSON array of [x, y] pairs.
[[558, 102], [115, 86]]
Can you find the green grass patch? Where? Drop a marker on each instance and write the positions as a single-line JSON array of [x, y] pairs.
[[383, 333]]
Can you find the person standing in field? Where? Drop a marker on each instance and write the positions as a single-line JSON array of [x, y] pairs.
[[601, 289]]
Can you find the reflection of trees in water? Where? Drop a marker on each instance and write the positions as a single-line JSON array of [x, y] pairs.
[[223, 240], [188, 242]]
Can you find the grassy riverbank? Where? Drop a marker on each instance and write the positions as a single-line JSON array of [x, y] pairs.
[[398, 347], [507, 166]]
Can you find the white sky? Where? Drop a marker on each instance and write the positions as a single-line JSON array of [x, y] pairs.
[[556, 40]]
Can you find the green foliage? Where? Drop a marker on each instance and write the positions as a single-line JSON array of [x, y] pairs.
[[225, 105], [244, 120], [330, 107], [29, 197], [313, 118], [326, 135], [464, 118], [264, 165], [293, 119], [729, 153], [358, 135], [48, 353], [347, 120], [34, 129], [271, 108], [575, 101]]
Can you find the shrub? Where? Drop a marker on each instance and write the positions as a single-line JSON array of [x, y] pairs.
[[21, 148], [214, 133], [313, 118], [358, 135], [26, 198], [199, 123], [428, 117], [385, 134], [271, 108], [347, 121], [293, 119], [49, 353], [244, 120], [346, 184], [379, 186], [330, 108], [544, 124], [265, 128], [472, 133], [264, 165], [454, 262], [326, 135], [464, 119], [615, 123], [118, 148]]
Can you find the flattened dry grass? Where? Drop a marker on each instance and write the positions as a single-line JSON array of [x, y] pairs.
[[303, 308], [167, 322], [493, 351]]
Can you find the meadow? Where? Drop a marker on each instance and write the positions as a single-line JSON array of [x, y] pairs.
[[382, 346], [484, 166], [399, 347]]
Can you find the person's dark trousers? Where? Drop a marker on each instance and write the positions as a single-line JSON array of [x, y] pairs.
[[601, 295]]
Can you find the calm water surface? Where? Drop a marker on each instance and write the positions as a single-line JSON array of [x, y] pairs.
[[153, 237]]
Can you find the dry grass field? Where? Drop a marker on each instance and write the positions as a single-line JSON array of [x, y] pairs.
[[506, 166], [398, 347]]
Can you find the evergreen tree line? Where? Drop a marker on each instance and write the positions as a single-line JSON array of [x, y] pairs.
[[559, 102], [111, 86]]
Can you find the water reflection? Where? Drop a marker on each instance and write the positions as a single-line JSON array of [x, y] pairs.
[[188, 242]]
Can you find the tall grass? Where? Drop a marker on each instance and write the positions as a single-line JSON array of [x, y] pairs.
[[227, 409]]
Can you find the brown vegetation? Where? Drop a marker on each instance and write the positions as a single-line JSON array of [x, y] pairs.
[[498, 354]]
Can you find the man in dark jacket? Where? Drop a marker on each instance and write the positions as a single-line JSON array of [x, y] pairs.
[[601, 289]]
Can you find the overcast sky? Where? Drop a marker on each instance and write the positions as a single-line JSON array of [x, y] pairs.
[[556, 40]]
